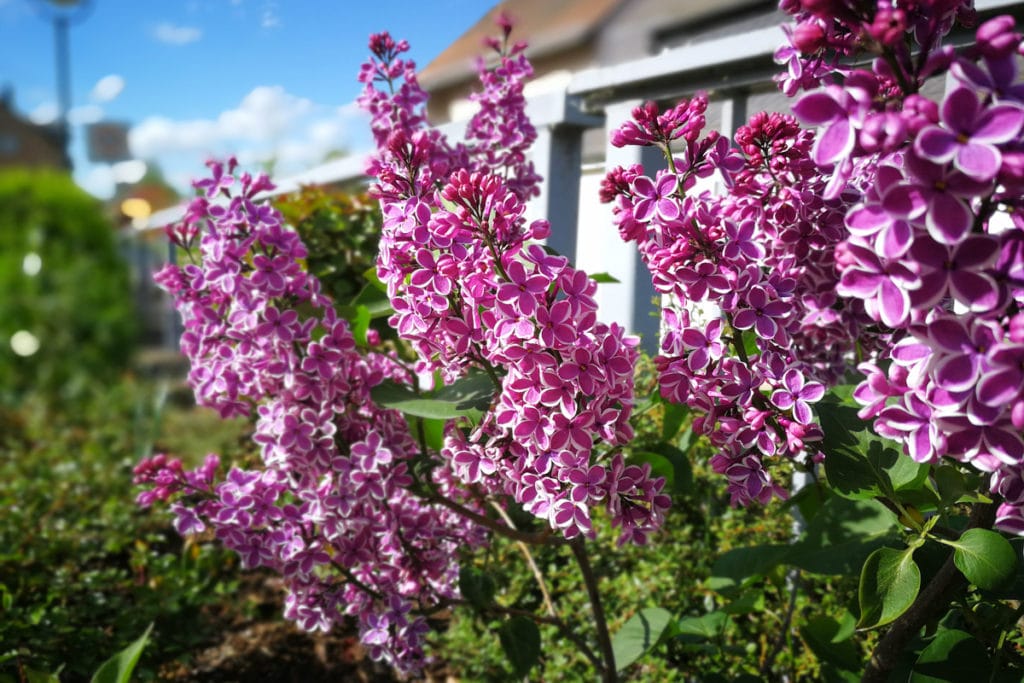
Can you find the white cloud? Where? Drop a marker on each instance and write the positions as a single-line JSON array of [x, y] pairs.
[[44, 114], [131, 171], [269, 124], [107, 88], [263, 118], [172, 34], [270, 19], [97, 180], [100, 180], [85, 114]]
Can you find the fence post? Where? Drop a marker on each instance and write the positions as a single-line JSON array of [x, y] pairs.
[[639, 295]]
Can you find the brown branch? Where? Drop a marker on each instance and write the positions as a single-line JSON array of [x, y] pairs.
[[604, 641]]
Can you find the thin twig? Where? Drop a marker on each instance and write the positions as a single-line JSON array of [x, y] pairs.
[[548, 605]]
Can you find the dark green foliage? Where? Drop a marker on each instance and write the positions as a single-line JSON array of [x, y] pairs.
[[83, 570], [341, 230], [78, 306]]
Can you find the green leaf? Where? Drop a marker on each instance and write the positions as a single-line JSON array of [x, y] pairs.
[[603, 278], [520, 640], [858, 463], [672, 419], [119, 668], [830, 641], [842, 535], [950, 483], [476, 586], [706, 627], [681, 479], [467, 397], [751, 601], [360, 325], [889, 584], [952, 656], [433, 431], [475, 391], [638, 635], [375, 299], [985, 558], [36, 676], [739, 564]]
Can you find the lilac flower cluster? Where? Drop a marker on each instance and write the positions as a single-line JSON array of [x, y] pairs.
[[895, 232], [934, 236], [754, 331], [332, 508], [474, 293]]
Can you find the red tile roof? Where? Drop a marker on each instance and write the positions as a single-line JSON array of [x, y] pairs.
[[548, 26]]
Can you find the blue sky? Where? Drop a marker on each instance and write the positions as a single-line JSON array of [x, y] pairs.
[[257, 78]]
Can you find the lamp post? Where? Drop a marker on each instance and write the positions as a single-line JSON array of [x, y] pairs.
[[63, 14]]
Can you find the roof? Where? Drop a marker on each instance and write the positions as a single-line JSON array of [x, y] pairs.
[[549, 26]]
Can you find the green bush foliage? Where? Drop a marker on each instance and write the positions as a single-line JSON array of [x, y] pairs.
[[65, 289], [84, 571], [340, 228]]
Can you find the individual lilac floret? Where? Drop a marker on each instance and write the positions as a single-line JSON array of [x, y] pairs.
[[971, 134]]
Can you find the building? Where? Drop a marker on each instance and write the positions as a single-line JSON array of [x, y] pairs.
[[23, 143]]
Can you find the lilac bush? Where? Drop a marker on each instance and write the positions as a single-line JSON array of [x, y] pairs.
[[869, 246]]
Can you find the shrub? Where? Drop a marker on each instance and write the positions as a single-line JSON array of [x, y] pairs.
[[66, 318]]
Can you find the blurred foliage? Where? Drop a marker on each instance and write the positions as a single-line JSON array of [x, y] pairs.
[[714, 635], [67, 298], [83, 570], [341, 230]]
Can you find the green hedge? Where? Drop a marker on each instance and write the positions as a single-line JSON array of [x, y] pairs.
[[67, 296]]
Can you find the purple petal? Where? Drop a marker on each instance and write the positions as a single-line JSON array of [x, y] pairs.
[[867, 219], [813, 392], [793, 381], [744, 319], [1000, 387], [933, 287], [895, 240], [698, 359], [859, 283], [949, 335], [782, 399], [644, 210], [906, 199], [667, 184], [956, 373], [893, 304], [802, 412], [998, 124], [977, 291], [766, 328], [978, 160], [977, 251], [834, 143], [949, 219], [1005, 445], [960, 110], [817, 108], [668, 209], [643, 186], [936, 144], [920, 446]]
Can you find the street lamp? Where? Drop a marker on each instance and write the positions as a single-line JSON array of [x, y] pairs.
[[62, 14]]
